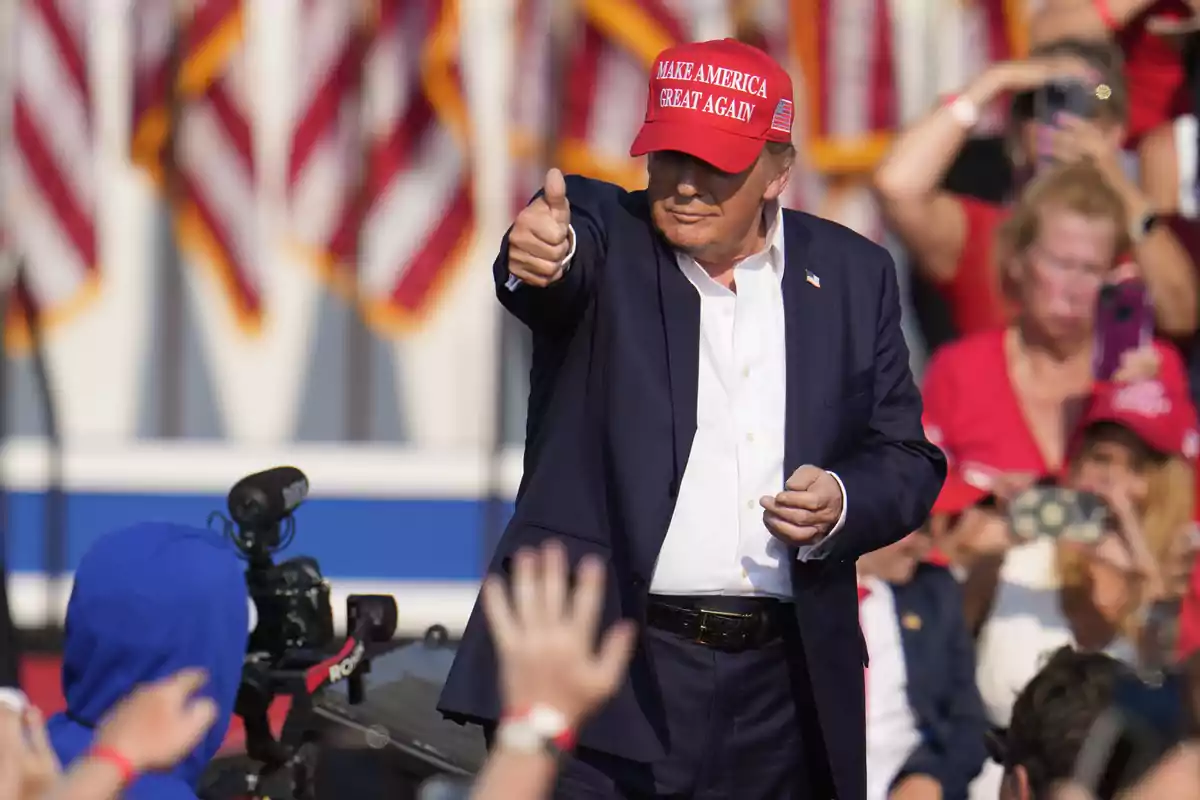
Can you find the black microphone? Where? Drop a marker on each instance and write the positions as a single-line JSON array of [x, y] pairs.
[[263, 499]]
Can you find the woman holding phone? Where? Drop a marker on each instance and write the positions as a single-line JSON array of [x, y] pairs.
[[1001, 402]]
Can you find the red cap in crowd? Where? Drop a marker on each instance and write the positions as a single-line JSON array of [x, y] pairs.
[[719, 101], [1161, 416], [965, 486]]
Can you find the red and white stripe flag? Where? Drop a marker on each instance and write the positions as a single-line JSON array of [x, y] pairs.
[[397, 234], [327, 153], [605, 100], [210, 171], [534, 114], [971, 35], [51, 180], [846, 52]]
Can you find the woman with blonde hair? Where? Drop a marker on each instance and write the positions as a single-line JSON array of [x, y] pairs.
[[1001, 402]]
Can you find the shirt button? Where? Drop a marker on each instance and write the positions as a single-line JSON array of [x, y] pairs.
[[750, 504], [745, 372], [749, 437]]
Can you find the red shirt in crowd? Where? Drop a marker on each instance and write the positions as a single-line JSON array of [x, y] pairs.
[[1153, 71], [972, 411], [974, 294]]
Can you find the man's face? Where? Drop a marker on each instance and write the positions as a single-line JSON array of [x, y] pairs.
[[712, 216]]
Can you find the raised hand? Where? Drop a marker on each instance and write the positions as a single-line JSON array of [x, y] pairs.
[[1034, 73], [546, 632], [161, 722], [541, 237]]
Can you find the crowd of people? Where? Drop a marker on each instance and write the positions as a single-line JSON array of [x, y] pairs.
[[1019, 397]]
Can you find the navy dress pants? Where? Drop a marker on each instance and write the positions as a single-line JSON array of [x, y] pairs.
[[740, 726]]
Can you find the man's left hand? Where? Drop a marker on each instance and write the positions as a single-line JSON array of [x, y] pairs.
[[916, 787], [807, 509]]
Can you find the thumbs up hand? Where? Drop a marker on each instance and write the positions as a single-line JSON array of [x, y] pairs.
[[541, 239]]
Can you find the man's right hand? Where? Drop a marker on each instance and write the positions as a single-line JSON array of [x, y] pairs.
[[540, 239]]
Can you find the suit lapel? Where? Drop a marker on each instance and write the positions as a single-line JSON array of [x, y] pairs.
[[680, 305], [805, 331]]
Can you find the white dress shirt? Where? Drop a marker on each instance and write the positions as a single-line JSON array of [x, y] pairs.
[[717, 542], [892, 733]]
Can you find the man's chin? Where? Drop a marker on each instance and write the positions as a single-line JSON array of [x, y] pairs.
[[687, 239]]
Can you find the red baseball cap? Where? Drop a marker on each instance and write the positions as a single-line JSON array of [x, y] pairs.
[[1161, 416], [964, 488], [719, 101]]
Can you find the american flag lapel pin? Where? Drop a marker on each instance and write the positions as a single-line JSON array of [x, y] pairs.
[[812, 278]]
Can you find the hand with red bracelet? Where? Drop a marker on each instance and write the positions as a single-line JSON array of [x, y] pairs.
[[157, 725], [545, 632]]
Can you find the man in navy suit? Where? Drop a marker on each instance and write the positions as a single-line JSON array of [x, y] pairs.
[[721, 408], [925, 723]]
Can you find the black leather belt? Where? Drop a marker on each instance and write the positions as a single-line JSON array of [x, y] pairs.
[[722, 623]]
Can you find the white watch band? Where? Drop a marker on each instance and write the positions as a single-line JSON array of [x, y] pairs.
[[964, 111], [534, 732]]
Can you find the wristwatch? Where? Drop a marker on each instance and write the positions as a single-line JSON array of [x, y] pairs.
[[1140, 228], [540, 730]]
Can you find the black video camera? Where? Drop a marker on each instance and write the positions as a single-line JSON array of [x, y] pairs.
[[292, 651]]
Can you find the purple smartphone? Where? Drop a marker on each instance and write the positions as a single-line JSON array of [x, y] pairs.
[[1124, 322], [1075, 99]]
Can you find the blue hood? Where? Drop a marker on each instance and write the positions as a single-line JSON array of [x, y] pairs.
[[148, 601]]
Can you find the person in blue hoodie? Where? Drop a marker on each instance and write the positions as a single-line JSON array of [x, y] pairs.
[[148, 601]]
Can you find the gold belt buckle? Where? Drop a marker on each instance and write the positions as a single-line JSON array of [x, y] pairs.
[[704, 615]]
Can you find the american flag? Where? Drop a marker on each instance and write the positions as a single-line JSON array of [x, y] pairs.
[[533, 112], [846, 52], [967, 36], [379, 173], [50, 214], [606, 98], [326, 157], [209, 172]]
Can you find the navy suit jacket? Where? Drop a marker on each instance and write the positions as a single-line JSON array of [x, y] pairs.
[[612, 414], [939, 659]]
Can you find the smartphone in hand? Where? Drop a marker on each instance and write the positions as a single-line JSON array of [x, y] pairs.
[[1055, 99], [1124, 322]]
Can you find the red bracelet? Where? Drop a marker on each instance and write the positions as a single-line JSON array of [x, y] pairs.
[[123, 764], [564, 739], [1105, 14]]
